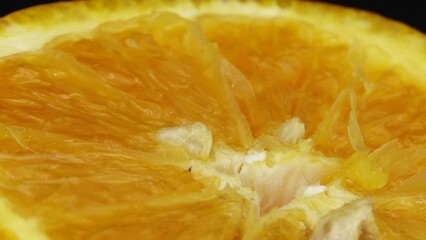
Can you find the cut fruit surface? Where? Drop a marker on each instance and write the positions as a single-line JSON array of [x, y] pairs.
[[210, 120]]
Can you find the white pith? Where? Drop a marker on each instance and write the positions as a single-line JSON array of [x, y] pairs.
[[280, 181]]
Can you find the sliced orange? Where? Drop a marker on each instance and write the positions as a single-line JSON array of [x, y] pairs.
[[210, 120]]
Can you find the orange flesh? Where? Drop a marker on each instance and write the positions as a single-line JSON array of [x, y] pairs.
[[298, 71], [104, 97]]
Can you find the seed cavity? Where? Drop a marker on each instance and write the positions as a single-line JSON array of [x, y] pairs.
[[291, 131], [195, 138], [255, 156], [350, 221], [313, 190]]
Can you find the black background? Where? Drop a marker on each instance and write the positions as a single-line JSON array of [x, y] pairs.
[[409, 12]]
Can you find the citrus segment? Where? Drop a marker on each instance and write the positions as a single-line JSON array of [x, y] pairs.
[[284, 62], [88, 191], [298, 69], [177, 78]]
